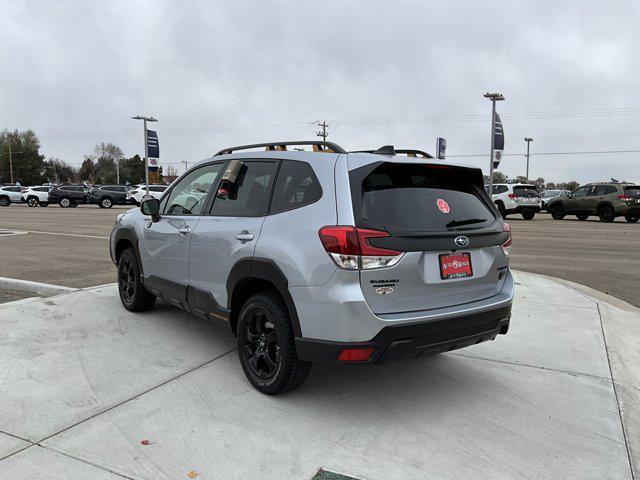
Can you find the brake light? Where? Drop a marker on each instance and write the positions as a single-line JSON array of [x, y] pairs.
[[625, 198], [506, 246], [513, 195], [351, 248], [355, 354]]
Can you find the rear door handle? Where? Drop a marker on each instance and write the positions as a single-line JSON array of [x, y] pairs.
[[244, 236], [184, 231]]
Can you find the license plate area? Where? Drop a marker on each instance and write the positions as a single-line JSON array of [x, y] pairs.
[[455, 265]]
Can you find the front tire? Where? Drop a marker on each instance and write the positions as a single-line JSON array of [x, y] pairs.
[[106, 203], [528, 215], [266, 346], [5, 202], [606, 214], [65, 202], [557, 212], [133, 295], [32, 202], [631, 218]]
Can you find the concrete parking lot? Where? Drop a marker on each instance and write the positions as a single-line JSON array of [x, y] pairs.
[[90, 390]]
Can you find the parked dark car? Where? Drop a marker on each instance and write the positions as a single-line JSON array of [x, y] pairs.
[[606, 200], [68, 195], [106, 196]]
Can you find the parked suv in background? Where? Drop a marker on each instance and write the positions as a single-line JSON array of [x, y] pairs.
[[106, 196], [335, 257], [136, 193], [517, 198], [606, 200], [34, 196], [68, 195], [10, 194], [547, 195]]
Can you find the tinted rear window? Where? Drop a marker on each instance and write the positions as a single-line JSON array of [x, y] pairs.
[[418, 198], [526, 191], [633, 191]]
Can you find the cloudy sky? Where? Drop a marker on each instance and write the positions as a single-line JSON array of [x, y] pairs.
[[381, 72]]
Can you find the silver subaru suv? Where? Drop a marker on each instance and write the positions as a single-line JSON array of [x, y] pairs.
[[322, 256]]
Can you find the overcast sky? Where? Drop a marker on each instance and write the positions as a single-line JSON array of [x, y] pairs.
[[224, 73]]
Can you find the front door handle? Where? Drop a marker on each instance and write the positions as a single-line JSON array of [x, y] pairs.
[[244, 236], [184, 231]]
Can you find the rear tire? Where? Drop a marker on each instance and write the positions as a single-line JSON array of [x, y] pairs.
[[557, 212], [528, 215], [133, 295], [44, 204], [582, 217], [65, 202], [606, 214], [5, 202], [631, 218], [32, 202], [266, 347]]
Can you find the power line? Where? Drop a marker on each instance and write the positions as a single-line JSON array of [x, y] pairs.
[[548, 153]]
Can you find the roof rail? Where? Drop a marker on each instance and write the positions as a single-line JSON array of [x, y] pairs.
[[390, 150], [318, 146]]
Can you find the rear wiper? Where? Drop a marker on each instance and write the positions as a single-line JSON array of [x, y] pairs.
[[468, 221]]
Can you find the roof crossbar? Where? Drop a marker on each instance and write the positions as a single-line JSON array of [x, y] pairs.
[[317, 145], [390, 150]]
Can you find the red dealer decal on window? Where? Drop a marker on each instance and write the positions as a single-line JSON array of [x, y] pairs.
[[443, 206]]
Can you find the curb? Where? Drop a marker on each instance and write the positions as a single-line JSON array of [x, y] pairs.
[[34, 287]]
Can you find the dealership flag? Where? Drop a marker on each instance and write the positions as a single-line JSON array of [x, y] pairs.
[[498, 141], [153, 147], [441, 148]]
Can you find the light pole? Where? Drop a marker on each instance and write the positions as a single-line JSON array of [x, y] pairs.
[[494, 97], [146, 148], [186, 165], [528, 140]]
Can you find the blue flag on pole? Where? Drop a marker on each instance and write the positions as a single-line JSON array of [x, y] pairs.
[[498, 141], [153, 147]]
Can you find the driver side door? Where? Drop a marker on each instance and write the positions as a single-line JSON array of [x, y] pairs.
[[164, 249], [576, 202]]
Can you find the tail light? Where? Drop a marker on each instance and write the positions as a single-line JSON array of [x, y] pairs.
[[625, 198], [350, 248], [513, 195], [506, 246]]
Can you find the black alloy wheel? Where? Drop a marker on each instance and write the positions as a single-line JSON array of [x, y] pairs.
[[32, 202], [557, 212], [632, 218], [606, 214], [266, 346], [133, 295]]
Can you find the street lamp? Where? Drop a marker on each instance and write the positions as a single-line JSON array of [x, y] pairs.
[[494, 97], [528, 140], [146, 148]]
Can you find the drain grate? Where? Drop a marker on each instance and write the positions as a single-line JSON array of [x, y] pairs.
[[326, 475]]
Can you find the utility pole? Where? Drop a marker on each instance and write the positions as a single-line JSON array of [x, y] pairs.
[[186, 165], [494, 97], [118, 170], [322, 133], [10, 161], [528, 140], [146, 148]]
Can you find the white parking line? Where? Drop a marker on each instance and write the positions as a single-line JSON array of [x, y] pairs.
[[63, 234]]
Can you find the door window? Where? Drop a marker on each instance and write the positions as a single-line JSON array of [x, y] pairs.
[[189, 195], [581, 192], [296, 186], [248, 195]]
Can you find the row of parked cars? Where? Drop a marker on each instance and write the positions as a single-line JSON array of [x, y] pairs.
[[606, 200], [72, 195]]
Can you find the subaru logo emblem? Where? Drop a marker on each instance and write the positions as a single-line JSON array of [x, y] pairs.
[[461, 241]]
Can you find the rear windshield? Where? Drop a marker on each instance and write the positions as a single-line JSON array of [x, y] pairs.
[[418, 198], [632, 191], [525, 191]]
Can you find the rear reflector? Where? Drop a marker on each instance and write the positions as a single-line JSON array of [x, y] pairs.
[[351, 248], [355, 354]]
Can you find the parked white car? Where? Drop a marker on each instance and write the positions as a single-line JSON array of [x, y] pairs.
[[137, 192], [517, 198], [10, 194], [36, 196]]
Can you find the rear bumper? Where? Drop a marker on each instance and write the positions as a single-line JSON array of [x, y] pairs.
[[524, 208], [404, 342]]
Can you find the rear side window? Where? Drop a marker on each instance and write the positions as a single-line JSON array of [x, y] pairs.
[[500, 189], [296, 186], [525, 191], [418, 197], [633, 191], [248, 196], [157, 189]]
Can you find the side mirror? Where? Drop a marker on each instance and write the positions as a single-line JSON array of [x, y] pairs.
[[151, 206]]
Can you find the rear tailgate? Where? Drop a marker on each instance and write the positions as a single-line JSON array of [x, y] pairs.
[[426, 209]]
